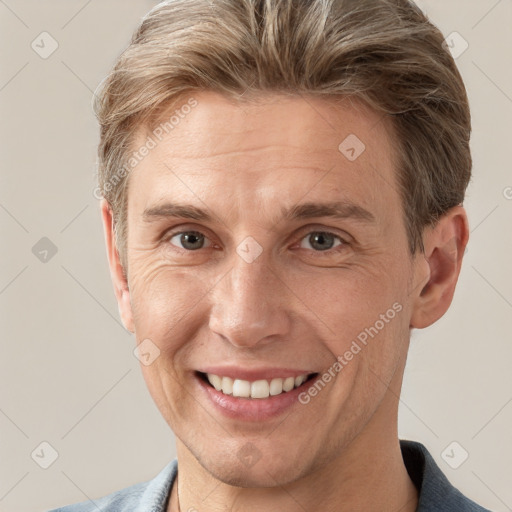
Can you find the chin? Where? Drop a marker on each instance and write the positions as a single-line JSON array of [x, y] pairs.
[[264, 476], [266, 471]]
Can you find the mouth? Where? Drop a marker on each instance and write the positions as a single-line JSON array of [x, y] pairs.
[[261, 389]]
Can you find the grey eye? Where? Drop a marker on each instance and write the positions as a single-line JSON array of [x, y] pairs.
[[320, 240], [189, 240]]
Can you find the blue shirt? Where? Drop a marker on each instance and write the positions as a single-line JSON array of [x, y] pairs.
[[436, 494]]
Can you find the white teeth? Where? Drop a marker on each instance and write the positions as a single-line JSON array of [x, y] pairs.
[[256, 389], [276, 386], [227, 385], [288, 384], [260, 389], [242, 388], [215, 381]]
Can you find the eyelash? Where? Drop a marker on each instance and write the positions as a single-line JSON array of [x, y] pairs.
[[337, 248]]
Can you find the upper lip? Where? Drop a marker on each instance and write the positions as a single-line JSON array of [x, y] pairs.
[[252, 374]]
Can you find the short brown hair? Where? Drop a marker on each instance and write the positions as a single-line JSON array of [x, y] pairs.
[[385, 53]]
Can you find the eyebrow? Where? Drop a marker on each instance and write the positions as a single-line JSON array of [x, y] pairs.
[[336, 210]]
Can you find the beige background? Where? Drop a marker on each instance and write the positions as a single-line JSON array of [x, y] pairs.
[[68, 374]]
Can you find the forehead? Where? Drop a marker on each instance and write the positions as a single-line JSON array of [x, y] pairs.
[[266, 153]]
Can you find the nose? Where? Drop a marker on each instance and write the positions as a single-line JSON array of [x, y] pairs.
[[250, 304]]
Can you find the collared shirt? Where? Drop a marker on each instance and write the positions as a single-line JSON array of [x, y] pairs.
[[436, 493]]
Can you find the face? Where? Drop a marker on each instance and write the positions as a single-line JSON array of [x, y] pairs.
[[264, 244]]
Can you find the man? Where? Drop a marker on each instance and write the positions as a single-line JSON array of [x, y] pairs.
[[283, 184]]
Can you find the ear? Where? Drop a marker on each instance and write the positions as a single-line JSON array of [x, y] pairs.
[[437, 270], [116, 269]]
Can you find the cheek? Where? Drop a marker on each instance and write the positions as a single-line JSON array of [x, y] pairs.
[[162, 296], [364, 317], [349, 300]]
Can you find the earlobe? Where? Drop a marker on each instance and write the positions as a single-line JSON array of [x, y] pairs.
[[117, 273], [125, 310], [437, 271]]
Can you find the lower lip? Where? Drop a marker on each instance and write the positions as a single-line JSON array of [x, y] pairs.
[[252, 409]]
